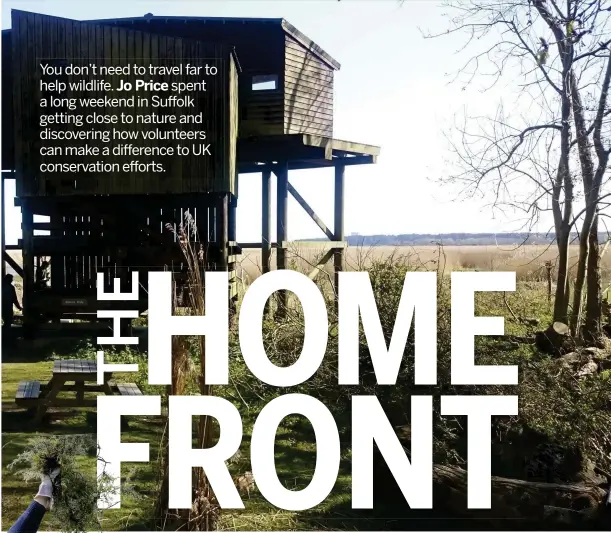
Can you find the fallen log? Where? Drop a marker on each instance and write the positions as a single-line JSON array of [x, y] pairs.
[[520, 499], [515, 503]]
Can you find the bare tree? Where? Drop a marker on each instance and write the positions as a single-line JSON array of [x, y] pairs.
[[555, 53]]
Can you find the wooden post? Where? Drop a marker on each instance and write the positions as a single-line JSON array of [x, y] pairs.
[[222, 230], [266, 226], [282, 175], [3, 224], [233, 207], [212, 223], [57, 261], [339, 222], [27, 229], [202, 226], [266, 220]]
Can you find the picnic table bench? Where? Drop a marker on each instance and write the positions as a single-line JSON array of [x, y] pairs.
[[83, 374]]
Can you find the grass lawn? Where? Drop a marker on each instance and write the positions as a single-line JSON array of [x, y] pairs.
[[295, 454], [35, 363]]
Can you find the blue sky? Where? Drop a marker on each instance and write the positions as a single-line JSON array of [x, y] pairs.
[[392, 91]]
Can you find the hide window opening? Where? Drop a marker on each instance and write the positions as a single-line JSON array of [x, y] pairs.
[[265, 82]]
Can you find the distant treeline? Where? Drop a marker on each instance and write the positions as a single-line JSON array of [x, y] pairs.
[[453, 239]]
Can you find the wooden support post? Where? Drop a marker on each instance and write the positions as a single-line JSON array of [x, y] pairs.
[[339, 222], [8, 259], [321, 264], [27, 229], [212, 223], [3, 223], [311, 212], [57, 261], [266, 226], [233, 207], [282, 175], [222, 230], [266, 220], [201, 211], [201, 219]]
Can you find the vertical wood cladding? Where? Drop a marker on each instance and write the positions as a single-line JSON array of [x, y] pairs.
[[260, 51], [60, 41], [8, 144], [303, 100], [308, 92]]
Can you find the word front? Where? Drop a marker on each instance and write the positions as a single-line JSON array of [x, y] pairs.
[[369, 422], [369, 425]]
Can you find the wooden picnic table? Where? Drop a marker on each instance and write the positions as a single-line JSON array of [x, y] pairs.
[[82, 373]]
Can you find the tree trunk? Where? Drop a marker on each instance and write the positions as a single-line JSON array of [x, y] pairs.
[[584, 245], [563, 180], [593, 322], [587, 175], [594, 308], [561, 299]]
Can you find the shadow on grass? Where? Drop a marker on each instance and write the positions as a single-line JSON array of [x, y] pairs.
[[65, 422], [391, 513], [37, 350]]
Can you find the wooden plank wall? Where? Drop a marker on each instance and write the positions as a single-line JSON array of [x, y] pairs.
[[260, 51], [308, 92], [86, 240], [8, 144], [262, 111], [36, 36]]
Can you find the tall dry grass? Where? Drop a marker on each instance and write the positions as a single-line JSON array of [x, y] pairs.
[[204, 512], [528, 261]]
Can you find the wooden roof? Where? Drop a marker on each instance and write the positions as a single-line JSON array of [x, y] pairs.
[[284, 24], [302, 151]]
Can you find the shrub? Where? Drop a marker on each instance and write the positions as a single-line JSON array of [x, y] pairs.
[[569, 413]]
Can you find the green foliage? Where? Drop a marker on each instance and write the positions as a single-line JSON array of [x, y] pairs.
[[122, 355], [553, 402], [126, 355], [75, 506], [569, 412], [34, 461]]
